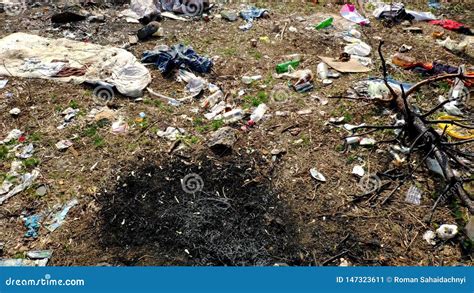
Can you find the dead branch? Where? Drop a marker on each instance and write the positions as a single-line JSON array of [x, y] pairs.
[[423, 137]]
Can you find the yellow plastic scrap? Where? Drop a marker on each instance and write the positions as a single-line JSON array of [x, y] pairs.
[[454, 130]]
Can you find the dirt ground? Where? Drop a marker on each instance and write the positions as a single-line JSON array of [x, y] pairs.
[[274, 211]]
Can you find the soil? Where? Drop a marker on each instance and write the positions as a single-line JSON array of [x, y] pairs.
[[255, 208]]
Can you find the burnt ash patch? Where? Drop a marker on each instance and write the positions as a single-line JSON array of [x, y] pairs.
[[236, 219]]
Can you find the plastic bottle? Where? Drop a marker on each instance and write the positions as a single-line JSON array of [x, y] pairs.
[[283, 67], [233, 115], [249, 79], [322, 70], [355, 33], [210, 101], [403, 61], [258, 113], [325, 23]]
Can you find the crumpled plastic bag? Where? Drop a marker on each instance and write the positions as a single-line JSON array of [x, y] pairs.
[[252, 12], [358, 47], [350, 13], [26, 181], [167, 59]]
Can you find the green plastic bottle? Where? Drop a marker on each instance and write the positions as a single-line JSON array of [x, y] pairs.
[[325, 23], [283, 67]]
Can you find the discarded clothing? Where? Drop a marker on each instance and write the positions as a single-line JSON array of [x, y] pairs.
[[398, 13], [453, 26], [32, 56], [394, 11], [435, 69], [350, 13], [141, 9], [58, 218], [178, 56], [252, 13]]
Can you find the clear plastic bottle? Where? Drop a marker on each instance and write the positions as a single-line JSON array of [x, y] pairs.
[[258, 113]]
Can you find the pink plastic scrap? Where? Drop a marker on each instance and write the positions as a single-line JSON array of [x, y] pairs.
[[350, 13]]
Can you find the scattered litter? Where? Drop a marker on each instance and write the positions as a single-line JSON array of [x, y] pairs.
[[434, 166], [349, 12], [39, 254], [452, 109], [249, 79], [287, 66], [25, 152], [3, 83], [69, 113], [32, 56], [149, 30], [231, 116], [413, 29], [257, 114], [367, 142], [325, 23], [229, 15], [171, 101], [12, 135], [405, 48], [396, 12], [357, 47], [119, 127], [140, 9], [429, 236], [21, 262], [167, 59], [453, 26], [252, 13], [453, 46], [26, 181], [171, 133], [413, 195], [59, 217], [304, 112], [15, 112], [322, 70], [33, 225], [352, 66], [358, 170], [102, 114], [63, 144], [317, 175], [446, 231], [454, 130], [337, 120], [344, 262]]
